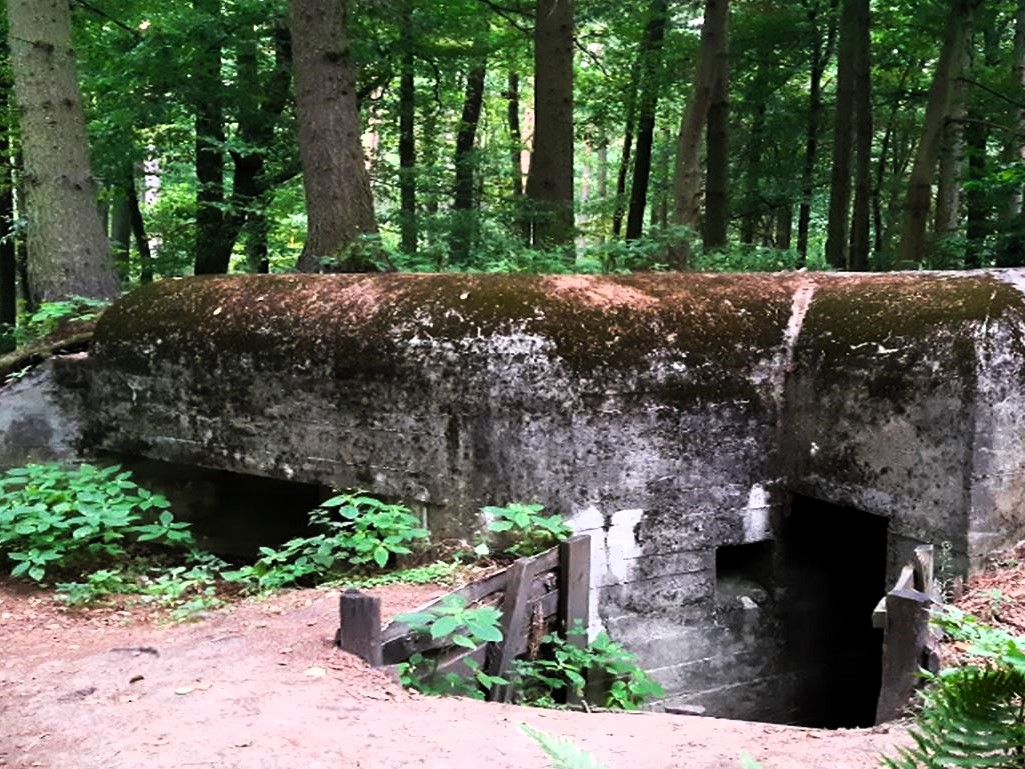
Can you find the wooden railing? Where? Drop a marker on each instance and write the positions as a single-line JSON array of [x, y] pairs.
[[536, 595]]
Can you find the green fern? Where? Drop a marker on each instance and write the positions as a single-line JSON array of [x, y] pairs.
[[972, 716], [562, 752]]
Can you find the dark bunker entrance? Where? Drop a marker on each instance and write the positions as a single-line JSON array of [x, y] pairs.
[[832, 565]]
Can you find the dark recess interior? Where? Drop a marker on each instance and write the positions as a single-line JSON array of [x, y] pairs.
[[232, 514], [833, 566]]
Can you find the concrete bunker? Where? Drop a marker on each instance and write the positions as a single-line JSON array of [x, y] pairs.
[[673, 418]]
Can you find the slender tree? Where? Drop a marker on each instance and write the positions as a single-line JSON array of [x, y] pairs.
[[937, 112], [407, 130], [837, 231], [339, 204], [550, 179], [717, 162], [862, 65], [209, 157], [464, 218], [687, 181], [8, 258], [68, 252]]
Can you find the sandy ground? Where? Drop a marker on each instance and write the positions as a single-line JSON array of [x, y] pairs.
[[259, 684]]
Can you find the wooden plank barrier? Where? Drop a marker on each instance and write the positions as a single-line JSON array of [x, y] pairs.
[[908, 643], [549, 591]]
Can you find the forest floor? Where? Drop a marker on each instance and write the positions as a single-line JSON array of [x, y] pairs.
[[258, 684]]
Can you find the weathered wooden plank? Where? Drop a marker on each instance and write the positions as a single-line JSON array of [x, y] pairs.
[[515, 622], [923, 562], [549, 611], [575, 585], [905, 648], [360, 629], [454, 661]]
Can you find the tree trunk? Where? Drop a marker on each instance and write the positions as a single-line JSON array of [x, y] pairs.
[[1016, 145], [121, 234], [550, 180], [820, 56], [947, 217], [339, 203], [626, 154], [977, 204], [512, 96], [843, 134], [464, 214], [687, 183], [257, 247], [8, 258], [717, 162], [753, 169], [784, 226], [407, 131], [937, 111], [68, 250], [139, 231], [858, 259], [210, 256], [651, 67]]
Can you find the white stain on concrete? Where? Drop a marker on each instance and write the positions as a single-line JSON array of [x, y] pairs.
[[757, 522]]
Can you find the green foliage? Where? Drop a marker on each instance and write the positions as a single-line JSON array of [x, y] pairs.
[[530, 531], [353, 530], [436, 573], [972, 715], [565, 668], [51, 314], [452, 623], [78, 519], [562, 753]]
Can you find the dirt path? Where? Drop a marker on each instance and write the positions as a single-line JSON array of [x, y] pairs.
[[259, 686]]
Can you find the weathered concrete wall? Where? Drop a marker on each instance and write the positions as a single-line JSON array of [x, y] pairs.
[[667, 415]]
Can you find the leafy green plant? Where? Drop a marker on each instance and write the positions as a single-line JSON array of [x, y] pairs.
[[94, 587], [452, 623], [78, 519], [49, 314], [352, 530], [530, 531], [439, 572], [562, 753], [972, 715], [565, 667]]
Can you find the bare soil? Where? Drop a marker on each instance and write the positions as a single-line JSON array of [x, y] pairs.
[[259, 684]]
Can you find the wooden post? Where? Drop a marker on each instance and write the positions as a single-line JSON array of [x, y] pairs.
[[575, 586], [360, 631], [905, 644], [515, 622]]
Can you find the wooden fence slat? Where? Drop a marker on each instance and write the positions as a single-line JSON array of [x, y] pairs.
[[360, 630], [515, 622], [905, 641], [575, 586]]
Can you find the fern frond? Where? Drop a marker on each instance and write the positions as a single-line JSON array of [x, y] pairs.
[[974, 717], [564, 754]]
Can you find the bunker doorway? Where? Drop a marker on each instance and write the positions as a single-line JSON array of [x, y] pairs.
[[833, 566]]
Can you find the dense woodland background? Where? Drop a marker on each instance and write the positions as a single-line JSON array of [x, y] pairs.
[[505, 135]]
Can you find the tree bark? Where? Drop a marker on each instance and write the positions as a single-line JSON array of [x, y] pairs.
[[822, 52], [937, 111], [752, 202], [947, 216], [139, 231], [651, 67], [1016, 145], [209, 254], [8, 258], [860, 221], [339, 203], [687, 183], [407, 132], [717, 159], [626, 154], [68, 250], [550, 179], [464, 214], [843, 135]]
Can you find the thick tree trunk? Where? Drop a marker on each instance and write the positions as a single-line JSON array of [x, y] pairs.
[[550, 180], [464, 213], [210, 256], [651, 68], [339, 203], [937, 111], [860, 221], [68, 249], [407, 132], [843, 135], [717, 159], [687, 183], [822, 52], [8, 258]]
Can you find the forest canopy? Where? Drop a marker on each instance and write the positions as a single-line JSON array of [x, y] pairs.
[[221, 136]]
